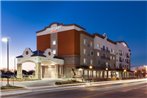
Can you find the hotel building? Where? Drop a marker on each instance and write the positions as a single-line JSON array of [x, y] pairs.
[[76, 53]]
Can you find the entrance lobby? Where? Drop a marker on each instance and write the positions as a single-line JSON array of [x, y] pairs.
[[46, 64]]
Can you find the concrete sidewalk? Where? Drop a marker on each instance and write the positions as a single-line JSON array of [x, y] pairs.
[[36, 83], [65, 87]]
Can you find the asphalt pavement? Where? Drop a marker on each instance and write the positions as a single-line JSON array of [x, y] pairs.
[[136, 89]]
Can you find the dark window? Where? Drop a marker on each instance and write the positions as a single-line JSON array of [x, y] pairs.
[[27, 52], [103, 47], [49, 53], [91, 53]]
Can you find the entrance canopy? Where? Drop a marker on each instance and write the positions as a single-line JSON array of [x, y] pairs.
[[41, 59]]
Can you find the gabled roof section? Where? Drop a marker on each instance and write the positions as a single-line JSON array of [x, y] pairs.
[[38, 53], [35, 53]]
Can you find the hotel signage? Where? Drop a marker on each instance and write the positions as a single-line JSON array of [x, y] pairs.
[[54, 29]]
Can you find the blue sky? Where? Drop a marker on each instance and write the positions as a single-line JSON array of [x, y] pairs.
[[120, 20]]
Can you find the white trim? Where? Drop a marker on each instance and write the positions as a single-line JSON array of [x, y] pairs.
[[39, 59], [58, 28], [29, 53]]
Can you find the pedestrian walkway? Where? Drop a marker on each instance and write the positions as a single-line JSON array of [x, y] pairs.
[[35, 83]]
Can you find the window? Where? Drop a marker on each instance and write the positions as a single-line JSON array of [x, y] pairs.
[[85, 72], [54, 51], [113, 58], [112, 51], [103, 47], [107, 48], [84, 60], [106, 64], [85, 41], [54, 42], [98, 54], [91, 61], [27, 52], [97, 45], [84, 51], [91, 53], [49, 53], [91, 43], [110, 57]]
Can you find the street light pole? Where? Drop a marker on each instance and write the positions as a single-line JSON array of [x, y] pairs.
[[107, 72], [6, 40], [90, 67], [107, 69], [8, 61], [125, 73], [14, 71]]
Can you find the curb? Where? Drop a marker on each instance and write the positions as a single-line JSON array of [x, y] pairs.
[[56, 87]]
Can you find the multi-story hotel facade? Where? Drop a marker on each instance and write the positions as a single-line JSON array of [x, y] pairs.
[[80, 54]]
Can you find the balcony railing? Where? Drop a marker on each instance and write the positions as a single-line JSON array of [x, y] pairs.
[[127, 56]]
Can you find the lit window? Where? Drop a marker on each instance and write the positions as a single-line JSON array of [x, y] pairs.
[[91, 61], [84, 51], [110, 57], [113, 58], [54, 42], [84, 41], [54, 51], [106, 63], [84, 60], [91, 43], [98, 54], [97, 45]]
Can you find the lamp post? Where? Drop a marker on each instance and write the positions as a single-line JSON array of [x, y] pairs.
[[125, 73], [107, 72], [90, 67], [6, 40], [14, 71], [107, 69]]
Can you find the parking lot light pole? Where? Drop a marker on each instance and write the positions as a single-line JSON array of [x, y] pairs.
[[6, 40]]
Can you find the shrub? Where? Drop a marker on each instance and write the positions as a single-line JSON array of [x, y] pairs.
[[66, 82]]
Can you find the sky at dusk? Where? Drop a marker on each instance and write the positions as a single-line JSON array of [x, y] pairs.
[[119, 20]]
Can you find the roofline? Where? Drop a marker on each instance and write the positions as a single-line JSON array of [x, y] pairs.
[[90, 35], [123, 42], [101, 36], [60, 24], [84, 32], [111, 41]]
